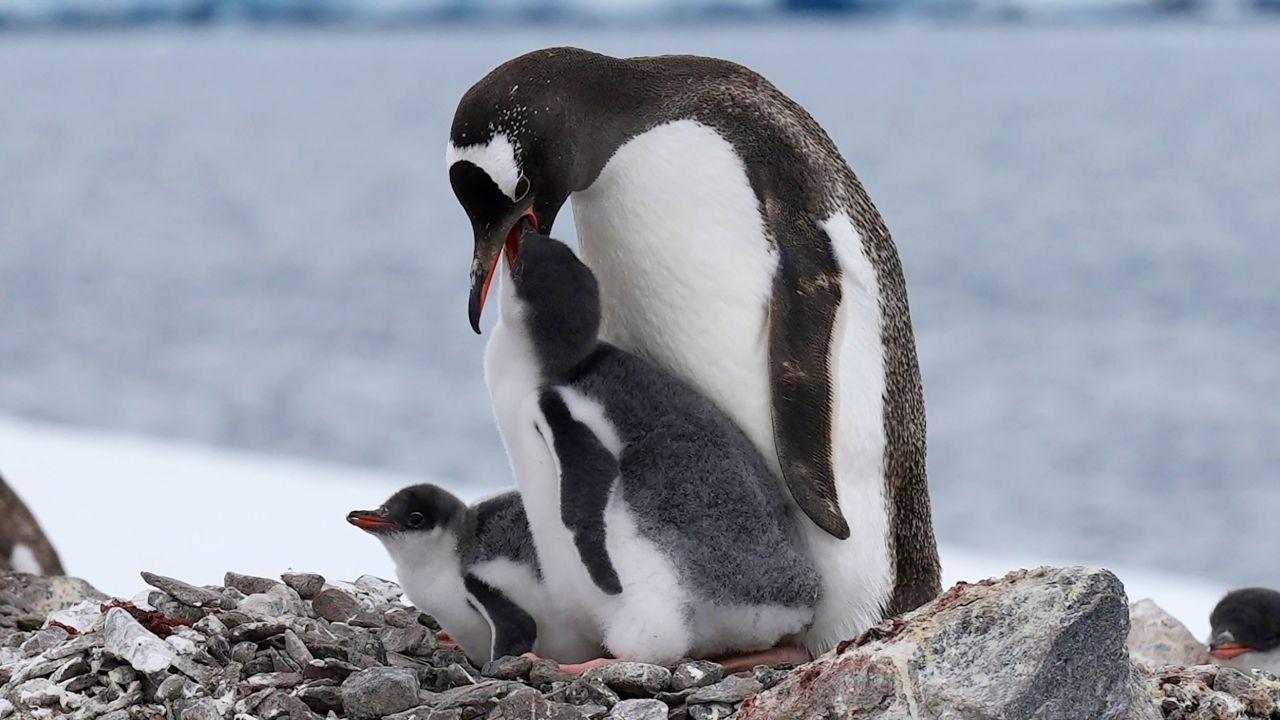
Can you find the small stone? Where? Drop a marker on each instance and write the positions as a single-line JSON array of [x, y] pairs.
[[593, 712], [126, 639], [402, 618], [115, 715], [404, 639], [42, 640], [6, 708], [248, 584], [188, 594], [379, 691], [210, 625], [710, 711], [459, 676], [426, 712], [274, 680], [200, 709], [674, 699], [335, 605], [769, 676], [75, 667], [80, 683], [645, 709], [175, 687], [544, 672], [483, 696], [632, 679], [255, 631], [696, 674], [307, 584], [532, 706], [590, 691], [321, 698], [444, 657], [510, 667], [243, 652], [296, 649], [731, 691]]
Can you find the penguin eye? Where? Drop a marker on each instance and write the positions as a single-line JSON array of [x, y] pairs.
[[415, 519], [382, 511], [522, 187]]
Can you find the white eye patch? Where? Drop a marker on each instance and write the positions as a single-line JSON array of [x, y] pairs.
[[497, 158]]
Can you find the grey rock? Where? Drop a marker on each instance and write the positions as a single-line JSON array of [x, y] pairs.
[[710, 711], [199, 709], [590, 691], [35, 596], [42, 640], [532, 706], [1046, 643], [632, 679], [248, 584], [674, 699], [731, 691], [593, 712], [1157, 639], [334, 605], [484, 695], [175, 687], [510, 668], [75, 667], [408, 640], [126, 639], [122, 675], [769, 676], [402, 618], [426, 712], [115, 715], [6, 708], [379, 691], [696, 674], [458, 675], [306, 584], [321, 698], [544, 672], [273, 680], [297, 649], [188, 594], [639, 709]]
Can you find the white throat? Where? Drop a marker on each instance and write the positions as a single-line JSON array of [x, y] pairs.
[[430, 571]]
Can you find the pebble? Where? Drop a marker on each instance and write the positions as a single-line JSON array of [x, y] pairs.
[[248, 584], [374, 692], [732, 690], [124, 638], [632, 679], [696, 674], [510, 667], [637, 709], [306, 584], [335, 605], [527, 705], [188, 594], [710, 711]]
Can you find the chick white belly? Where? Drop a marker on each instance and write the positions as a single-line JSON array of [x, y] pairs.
[[558, 637], [674, 234]]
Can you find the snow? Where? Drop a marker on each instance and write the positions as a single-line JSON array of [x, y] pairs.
[[115, 505]]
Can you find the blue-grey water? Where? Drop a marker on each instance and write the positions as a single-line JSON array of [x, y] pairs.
[[248, 239]]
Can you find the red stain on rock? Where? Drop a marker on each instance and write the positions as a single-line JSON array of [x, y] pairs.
[[157, 622]]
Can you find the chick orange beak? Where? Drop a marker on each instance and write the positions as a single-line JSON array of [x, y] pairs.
[[1228, 650], [370, 520]]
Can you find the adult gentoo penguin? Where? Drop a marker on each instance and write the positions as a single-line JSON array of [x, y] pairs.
[[653, 515], [474, 570], [1245, 630], [735, 248]]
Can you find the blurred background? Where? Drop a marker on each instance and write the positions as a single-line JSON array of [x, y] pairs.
[[228, 223]]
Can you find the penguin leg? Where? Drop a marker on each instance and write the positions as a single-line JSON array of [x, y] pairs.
[[777, 655], [513, 631]]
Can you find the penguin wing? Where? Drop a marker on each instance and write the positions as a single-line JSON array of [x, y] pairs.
[[587, 474], [802, 317], [514, 630]]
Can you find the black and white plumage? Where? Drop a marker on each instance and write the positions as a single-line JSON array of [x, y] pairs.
[[736, 249], [1245, 630], [474, 569], [655, 519]]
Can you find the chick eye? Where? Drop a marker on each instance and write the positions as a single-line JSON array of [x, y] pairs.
[[415, 519], [382, 511], [522, 187]]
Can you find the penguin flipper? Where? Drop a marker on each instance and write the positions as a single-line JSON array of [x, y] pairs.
[[514, 630], [802, 317], [585, 484]]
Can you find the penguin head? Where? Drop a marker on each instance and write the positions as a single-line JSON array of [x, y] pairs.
[[412, 517], [1245, 621], [555, 300], [512, 155]]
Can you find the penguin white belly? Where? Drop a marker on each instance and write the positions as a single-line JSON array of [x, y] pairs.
[[648, 621], [674, 234], [435, 587]]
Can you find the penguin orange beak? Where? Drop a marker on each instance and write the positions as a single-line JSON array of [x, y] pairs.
[[485, 261], [371, 521], [1228, 650]]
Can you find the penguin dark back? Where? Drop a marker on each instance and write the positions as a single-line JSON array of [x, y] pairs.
[[561, 300]]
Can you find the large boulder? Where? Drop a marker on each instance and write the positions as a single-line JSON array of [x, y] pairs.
[[1157, 639], [23, 545], [1046, 644]]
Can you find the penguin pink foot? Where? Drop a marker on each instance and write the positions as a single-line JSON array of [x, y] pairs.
[[777, 655], [576, 668], [447, 642]]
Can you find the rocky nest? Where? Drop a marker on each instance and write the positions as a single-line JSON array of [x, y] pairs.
[[303, 649]]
